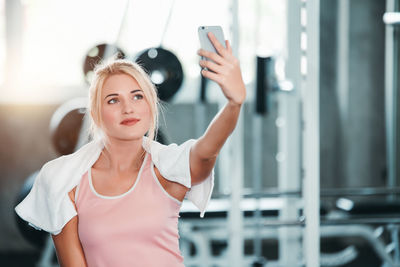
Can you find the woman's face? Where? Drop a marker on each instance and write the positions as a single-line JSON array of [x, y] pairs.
[[124, 109]]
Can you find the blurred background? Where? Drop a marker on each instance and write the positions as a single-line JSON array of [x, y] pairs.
[[308, 178]]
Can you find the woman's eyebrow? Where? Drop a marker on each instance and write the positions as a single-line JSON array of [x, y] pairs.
[[133, 91]]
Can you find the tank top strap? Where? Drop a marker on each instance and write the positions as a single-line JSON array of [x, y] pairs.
[[81, 188], [152, 180], [146, 179]]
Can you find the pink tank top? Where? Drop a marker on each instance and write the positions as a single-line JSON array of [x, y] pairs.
[[137, 228]]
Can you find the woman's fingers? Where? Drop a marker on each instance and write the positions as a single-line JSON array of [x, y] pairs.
[[211, 55], [211, 66], [212, 76], [218, 46], [223, 54], [225, 70]]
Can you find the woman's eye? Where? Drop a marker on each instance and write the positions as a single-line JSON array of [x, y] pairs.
[[112, 101], [115, 100], [137, 97]]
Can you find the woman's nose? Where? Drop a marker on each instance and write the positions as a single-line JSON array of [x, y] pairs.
[[127, 107]]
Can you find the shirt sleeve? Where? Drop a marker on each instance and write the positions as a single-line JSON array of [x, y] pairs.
[[173, 162]]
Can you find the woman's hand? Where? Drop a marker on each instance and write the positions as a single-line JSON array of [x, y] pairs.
[[225, 71]]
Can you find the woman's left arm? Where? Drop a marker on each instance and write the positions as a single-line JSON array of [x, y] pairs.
[[226, 72]]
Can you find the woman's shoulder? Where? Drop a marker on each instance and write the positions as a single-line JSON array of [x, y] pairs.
[[172, 161]]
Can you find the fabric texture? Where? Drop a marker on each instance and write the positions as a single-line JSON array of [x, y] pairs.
[[48, 207], [136, 228]]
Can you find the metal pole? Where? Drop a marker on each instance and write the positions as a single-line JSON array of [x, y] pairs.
[[310, 92], [391, 58], [325, 192], [342, 89], [235, 215], [289, 177], [257, 178], [257, 145], [289, 139]]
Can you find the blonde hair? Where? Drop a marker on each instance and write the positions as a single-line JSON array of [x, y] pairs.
[[120, 66]]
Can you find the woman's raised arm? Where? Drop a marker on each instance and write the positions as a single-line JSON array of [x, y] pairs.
[[225, 70]]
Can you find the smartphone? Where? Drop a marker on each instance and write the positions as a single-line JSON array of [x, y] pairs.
[[205, 42]]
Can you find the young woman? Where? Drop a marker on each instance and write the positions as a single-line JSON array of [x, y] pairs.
[[125, 190]]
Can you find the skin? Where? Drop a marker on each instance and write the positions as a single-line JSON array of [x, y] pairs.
[[121, 159]]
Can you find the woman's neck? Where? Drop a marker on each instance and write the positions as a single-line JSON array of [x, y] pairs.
[[121, 155]]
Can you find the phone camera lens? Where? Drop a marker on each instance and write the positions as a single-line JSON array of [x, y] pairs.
[[203, 27]]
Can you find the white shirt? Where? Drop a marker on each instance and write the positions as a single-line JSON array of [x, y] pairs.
[[48, 206]]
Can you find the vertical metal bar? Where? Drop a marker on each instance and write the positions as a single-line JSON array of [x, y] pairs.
[[395, 239], [343, 78], [289, 139], [396, 92], [310, 92], [257, 144], [257, 150], [235, 215], [391, 58], [343, 58]]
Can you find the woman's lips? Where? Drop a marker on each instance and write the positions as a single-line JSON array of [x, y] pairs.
[[129, 121]]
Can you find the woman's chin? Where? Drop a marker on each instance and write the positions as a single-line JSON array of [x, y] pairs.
[[126, 137]]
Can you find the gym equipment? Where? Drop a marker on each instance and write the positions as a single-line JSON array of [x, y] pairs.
[[96, 54], [392, 112], [66, 125], [391, 18], [164, 69], [265, 83], [388, 210], [103, 51], [163, 66], [199, 237]]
